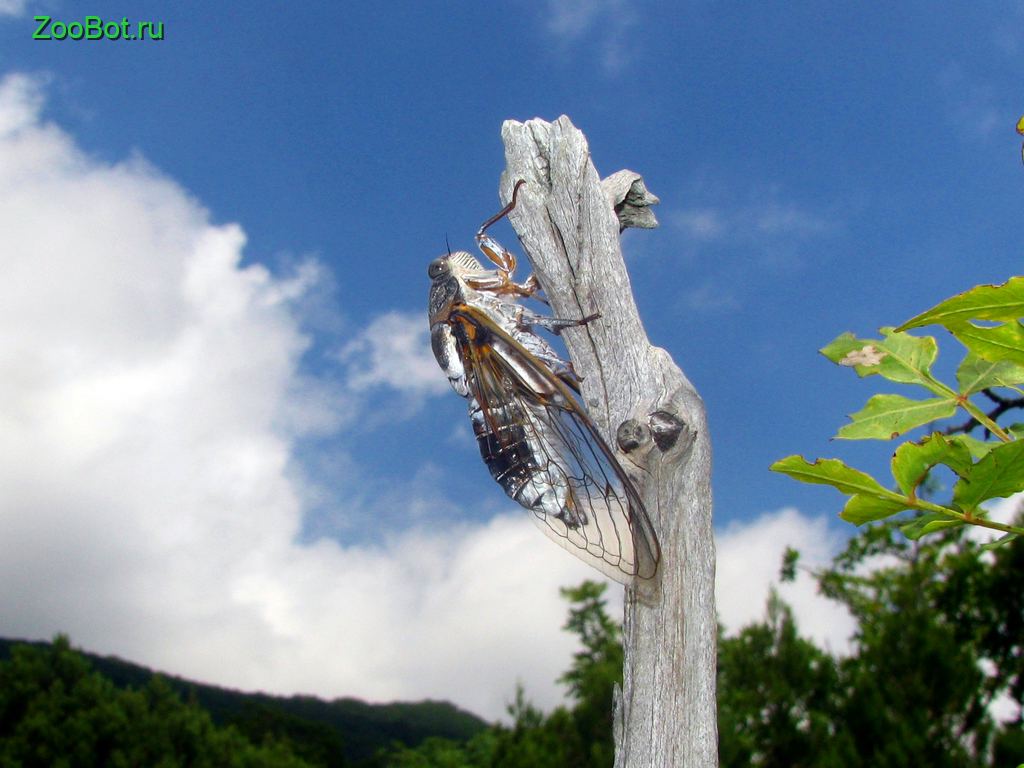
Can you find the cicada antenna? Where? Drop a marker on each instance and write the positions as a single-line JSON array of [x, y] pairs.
[[504, 211], [447, 244]]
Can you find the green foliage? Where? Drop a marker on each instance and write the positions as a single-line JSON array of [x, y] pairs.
[[56, 711], [596, 669], [777, 696], [790, 560], [913, 691], [315, 742], [984, 469], [984, 302]]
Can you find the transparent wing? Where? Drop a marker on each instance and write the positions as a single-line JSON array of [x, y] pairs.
[[553, 461]]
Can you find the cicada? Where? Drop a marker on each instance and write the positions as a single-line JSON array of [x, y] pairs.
[[524, 404]]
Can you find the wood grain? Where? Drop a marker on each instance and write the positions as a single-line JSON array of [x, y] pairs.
[[666, 714]]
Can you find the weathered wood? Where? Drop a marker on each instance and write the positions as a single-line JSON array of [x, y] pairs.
[[630, 199], [666, 712]]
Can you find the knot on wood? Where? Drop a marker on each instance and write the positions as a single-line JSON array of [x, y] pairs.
[[663, 429], [631, 435]]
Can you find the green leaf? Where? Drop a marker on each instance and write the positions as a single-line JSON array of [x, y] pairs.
[[888, 416], [996, 543], [999, 343], [862, 508], [863, 355], [912, 461], [896, 356], [975, 374], [832, 472], [983, 302], [929, 523], [998, 473], [977, 448], [790, 558]]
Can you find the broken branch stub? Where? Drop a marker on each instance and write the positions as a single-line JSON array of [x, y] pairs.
[[569, 223], [631, 200]]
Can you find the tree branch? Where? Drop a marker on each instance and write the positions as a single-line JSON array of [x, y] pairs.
[[1002, 405], [666, 714]]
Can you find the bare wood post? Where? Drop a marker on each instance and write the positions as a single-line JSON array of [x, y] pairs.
[[666, 714]]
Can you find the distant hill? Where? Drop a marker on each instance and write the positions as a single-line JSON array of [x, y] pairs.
[[356, 728]]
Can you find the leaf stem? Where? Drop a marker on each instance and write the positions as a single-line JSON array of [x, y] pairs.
[[982, 418], [969, 519], [976, 413]]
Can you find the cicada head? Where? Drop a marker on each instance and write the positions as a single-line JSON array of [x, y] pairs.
[[448, 275]]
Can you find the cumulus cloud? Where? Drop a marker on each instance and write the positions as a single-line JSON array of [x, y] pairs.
[[150, 399], [749, 558], [394, 351], [700, 223], [750, 555]]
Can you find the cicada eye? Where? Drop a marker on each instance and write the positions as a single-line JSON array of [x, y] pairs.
[[436, 268]]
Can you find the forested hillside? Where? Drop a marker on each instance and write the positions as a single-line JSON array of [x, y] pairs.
[[55, 701]]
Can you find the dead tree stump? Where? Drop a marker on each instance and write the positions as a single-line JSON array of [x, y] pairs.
[[569, 225]]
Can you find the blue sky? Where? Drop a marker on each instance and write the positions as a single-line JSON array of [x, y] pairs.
[[821, 169]]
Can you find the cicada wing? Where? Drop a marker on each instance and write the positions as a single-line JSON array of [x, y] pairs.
[[575, 488], [603, 515]]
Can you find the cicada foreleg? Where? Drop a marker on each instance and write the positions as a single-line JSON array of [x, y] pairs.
[[503, 258]]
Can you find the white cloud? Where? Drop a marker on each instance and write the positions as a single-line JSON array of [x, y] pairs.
[[709, 296], [749, 559], [774, 218], [757, 221], [394, 351], [700, 223], [574, 18], [150, 396], [750, 555], [602, 24], [757, 229], [12, 7]]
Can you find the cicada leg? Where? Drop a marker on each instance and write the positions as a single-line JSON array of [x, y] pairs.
[[563, 369], [532, 286], [503, 258], [527, 318]]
